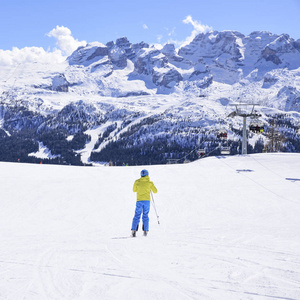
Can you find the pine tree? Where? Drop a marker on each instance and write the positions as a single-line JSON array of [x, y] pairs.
[[276, 139]]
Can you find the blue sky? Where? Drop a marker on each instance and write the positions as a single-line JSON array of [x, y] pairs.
[[26, 23]]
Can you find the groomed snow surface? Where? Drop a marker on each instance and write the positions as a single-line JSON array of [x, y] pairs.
[[229, 229]]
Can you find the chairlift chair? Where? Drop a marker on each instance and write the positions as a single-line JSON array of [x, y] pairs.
[[172, 161], [201, 152], [225, 150], [256, 127], [222, 134]]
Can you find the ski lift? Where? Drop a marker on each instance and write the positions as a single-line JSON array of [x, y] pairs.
[[257, 127], [225, 150], [201, 152], [222, 134], [172, 161]]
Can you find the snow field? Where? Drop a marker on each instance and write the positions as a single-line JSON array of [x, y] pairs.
[[229, 230]]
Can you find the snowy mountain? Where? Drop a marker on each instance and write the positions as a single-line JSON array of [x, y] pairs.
[[231, 56], [136, 103], [229, 229]]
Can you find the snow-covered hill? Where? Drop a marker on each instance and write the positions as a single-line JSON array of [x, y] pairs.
[[124, 96], [229, 229]]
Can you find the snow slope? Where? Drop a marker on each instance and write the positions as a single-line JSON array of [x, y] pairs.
[[229, 230]]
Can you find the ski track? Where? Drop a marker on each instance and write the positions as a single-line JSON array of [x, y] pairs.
[[223, 246]]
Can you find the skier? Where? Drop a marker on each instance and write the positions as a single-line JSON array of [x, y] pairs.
[[142, 187]]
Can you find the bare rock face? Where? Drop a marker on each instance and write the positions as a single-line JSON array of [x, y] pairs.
[[126, 46], [129, 49], [175, 59], [87, 55], [149, 59], [60, 83], [212, 45], [270, 55], [219, 52], [231, 56], [118, 56], [296, 44], [283, 51], [166, 76], [137, 47], [269, 80], [291, 99], [153, 63]]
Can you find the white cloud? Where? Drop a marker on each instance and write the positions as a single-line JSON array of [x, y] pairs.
[[145, 26], [159, 37], [198, 28], [28, 55], [171, 32], [65, 40], [177, 44], [197, 25]]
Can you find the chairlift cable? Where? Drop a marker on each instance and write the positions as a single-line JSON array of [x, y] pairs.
[[197, 147], [261, 185], [280, 176]]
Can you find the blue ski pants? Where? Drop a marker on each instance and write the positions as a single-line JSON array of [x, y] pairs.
[[141, 207]]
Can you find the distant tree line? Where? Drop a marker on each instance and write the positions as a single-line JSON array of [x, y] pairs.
[[136, 150], [154, 140], [17, 146]]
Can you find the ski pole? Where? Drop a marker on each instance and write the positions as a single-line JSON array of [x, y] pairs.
[[154, 207]]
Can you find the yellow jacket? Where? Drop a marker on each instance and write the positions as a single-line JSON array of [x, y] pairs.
[[143, 186]]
